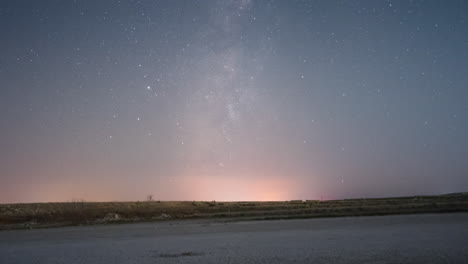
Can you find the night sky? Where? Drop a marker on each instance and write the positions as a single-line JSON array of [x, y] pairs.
[[232, 100]]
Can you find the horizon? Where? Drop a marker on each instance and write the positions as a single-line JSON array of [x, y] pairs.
[[232, 100], [155, 200]]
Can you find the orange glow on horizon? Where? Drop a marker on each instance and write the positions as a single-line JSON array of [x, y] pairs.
[[239, 189], [183, 188]]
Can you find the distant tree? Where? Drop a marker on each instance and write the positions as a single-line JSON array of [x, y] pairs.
[[149, 197]]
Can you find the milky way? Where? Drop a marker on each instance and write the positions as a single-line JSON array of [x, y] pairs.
[[232, 100]]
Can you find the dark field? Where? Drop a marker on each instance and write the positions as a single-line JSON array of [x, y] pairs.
[[13, 216]]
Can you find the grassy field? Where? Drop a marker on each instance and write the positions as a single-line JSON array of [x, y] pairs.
[[37, 215]]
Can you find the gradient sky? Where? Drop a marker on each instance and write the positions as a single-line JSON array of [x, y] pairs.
[[232, 100]]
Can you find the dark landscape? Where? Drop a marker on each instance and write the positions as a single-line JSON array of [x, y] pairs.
[[38, 215]]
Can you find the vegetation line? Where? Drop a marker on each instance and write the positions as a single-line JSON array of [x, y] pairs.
[[39, 215]]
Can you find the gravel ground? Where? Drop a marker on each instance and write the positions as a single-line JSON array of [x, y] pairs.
[[425, 238]]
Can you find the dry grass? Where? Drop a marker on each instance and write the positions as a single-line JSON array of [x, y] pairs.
[[82, 213]]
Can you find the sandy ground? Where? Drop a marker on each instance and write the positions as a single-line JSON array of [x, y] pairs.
[[427, 238]]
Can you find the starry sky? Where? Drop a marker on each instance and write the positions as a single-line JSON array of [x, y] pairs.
[[232, 99]]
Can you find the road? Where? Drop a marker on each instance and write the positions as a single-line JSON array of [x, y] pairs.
[[429, 238]]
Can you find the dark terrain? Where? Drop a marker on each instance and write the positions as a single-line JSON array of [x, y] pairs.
[[14, 216]]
